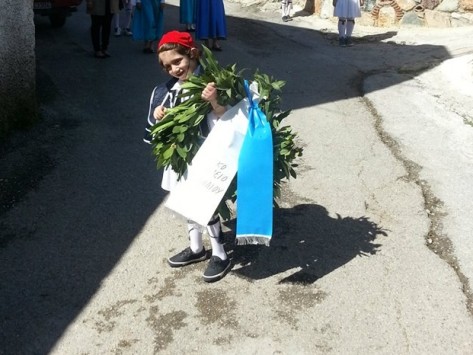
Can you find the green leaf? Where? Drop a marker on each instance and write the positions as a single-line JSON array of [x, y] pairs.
[[182, 152], [168, 153], [179, 131]]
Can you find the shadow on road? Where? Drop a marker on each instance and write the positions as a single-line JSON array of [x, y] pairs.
[[65, 229], [308, 239], [311, 62]]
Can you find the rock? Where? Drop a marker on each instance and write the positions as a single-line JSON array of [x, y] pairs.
[[461, 19], [326, 10], [406, 5], [386, 17], [430, 4], [448, 6], [437, 19], [366, 19], [411, 19], [466, 5]]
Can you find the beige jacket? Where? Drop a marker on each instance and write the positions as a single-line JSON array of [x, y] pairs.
[[97, 7]]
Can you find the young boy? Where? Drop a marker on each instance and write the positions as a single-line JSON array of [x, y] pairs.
[[286, 6], [179, 57]]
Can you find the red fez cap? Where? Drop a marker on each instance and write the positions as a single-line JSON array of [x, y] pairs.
[[182, 38]]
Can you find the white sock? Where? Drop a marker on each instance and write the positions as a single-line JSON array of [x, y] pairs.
[[195, 237], [350, 26], [342, 26], [217, 247], [285, 8]]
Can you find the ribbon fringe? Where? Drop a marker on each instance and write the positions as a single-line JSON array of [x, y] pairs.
[[247, 239]]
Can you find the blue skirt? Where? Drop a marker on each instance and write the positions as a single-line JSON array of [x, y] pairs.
[[211, 22], [148, 23], [187, 11]]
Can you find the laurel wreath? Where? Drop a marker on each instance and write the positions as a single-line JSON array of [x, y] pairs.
[[176, 138]]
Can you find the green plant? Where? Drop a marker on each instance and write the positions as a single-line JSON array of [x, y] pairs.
[[176, 138]]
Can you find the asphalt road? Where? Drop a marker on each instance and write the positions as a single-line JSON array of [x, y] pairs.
[[351, 268]]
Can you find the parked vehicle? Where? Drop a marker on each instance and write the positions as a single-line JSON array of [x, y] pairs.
[[57, 10]]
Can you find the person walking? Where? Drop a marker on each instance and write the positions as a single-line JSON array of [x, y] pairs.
[[101, 13], [286, 7], [211, 24], [148, 22], [346, 11], [187, 14], [128, 7], [179, 57]]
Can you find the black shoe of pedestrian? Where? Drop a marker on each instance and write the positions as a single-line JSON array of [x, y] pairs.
[[217, 269], [187, 257], [285, 18]]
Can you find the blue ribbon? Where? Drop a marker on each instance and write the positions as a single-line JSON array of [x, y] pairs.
[[255, 179]]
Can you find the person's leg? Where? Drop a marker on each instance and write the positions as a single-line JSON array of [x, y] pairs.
[[285, 9], [219, 263], [342, 28], [106, 29], [216, 45], [129, 18], [195, 237], [214, 230], [95, 35], [147, 49], [116, 25], [350, 27], [195, 252]]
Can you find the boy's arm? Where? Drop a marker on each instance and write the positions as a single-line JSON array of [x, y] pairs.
[[159, 97], [209, 94]]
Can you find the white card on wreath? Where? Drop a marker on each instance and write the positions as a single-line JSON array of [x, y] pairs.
[[200, 190]]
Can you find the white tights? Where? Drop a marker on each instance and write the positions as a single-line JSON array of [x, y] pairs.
[[213, 229], [345, 26], [286, 6]]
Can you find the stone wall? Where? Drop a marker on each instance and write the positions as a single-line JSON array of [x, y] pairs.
[[18, 106], [386, 13]]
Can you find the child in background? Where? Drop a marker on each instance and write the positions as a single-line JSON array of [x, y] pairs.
[[211, 23], [179, 57], [128, 6], [101, 14], [148, 22], [187, 12], [346, 11], [286, 6]]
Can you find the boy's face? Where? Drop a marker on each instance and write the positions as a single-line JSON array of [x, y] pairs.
[[177, 65]]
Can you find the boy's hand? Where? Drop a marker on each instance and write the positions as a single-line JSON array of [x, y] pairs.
[[159, 113], [209, 94]]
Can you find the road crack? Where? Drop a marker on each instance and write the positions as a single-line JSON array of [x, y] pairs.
[[435, 239]]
